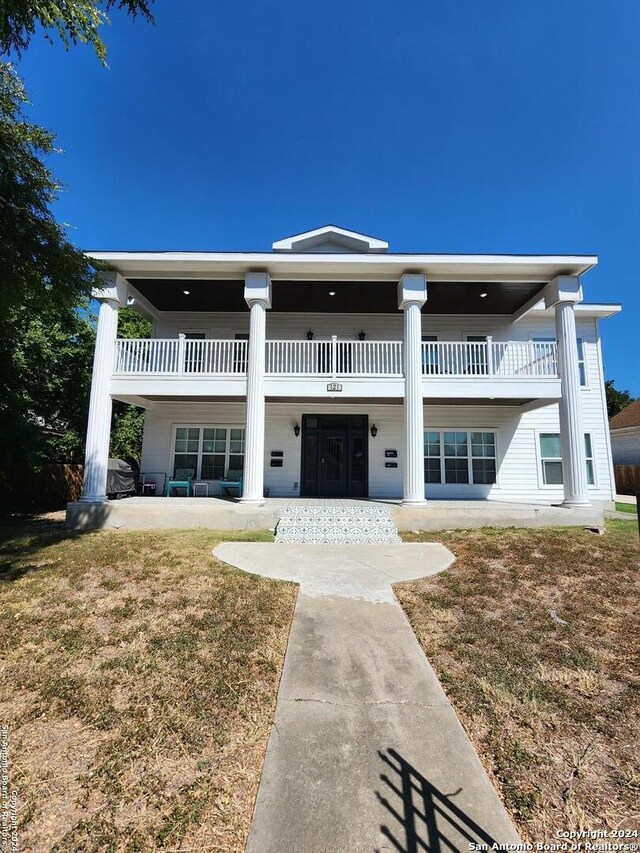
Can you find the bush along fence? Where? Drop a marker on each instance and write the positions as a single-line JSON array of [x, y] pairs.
[[49, 488], [627, 479]]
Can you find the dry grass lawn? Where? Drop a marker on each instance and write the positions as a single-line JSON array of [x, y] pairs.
[[536, 637], [139, 679]]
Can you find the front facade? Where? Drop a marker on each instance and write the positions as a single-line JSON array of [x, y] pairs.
[[330, 367]]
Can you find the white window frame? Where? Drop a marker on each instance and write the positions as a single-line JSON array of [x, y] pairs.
[[201, 427], [187, 332], [592, 458], [485, 339], [435, 338], [580, 342], [441, 431]]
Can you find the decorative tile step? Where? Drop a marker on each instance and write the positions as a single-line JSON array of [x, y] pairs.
[[340, 524]]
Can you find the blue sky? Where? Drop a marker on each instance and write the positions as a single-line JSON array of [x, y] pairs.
[[467, 126]]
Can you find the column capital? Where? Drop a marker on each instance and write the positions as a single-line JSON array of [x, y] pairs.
[[563, 289], [257, 289], [112, 288], [412, 289]]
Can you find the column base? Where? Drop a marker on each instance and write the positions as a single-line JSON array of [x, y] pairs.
[[252, 501], [569, 502], [93, 499], [416, 502]]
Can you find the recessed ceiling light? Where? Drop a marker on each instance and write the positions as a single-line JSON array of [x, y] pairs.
[[482, 295], [187, 292], [332, 293]]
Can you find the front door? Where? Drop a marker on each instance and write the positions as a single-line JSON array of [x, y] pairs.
[[334, 455]]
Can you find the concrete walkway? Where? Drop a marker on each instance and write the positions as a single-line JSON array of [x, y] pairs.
[[366, 752]]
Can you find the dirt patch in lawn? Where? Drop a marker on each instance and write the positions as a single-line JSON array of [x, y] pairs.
[[138, 680], [535, 636]]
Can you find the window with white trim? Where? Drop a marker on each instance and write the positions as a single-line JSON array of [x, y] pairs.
[[541, 353], [447, 458], [582, 365], [209, 450], [430, 355], [551, 459]]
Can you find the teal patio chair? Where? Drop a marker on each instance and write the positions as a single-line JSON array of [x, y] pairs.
[[182, 480], [233, 480]]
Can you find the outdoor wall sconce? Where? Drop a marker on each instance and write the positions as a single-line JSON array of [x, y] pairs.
[[309, 335], [374, 431], [361, 334], [296, 430]]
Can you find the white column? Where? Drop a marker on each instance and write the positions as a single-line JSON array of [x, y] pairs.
[[411, 297], [99, 425], [574, 465], [258, 297]]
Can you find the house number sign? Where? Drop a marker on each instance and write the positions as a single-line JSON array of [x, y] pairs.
[[334, 386]]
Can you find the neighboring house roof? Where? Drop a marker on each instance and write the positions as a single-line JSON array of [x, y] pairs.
[[628, 417]]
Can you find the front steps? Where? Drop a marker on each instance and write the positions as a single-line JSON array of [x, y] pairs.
[[336, 524]]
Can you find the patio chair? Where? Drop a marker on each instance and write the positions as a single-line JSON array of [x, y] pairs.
[[233, 480], [152, 485], [183, 480]]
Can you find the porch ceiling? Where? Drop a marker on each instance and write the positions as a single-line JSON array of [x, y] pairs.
[[350, 297]]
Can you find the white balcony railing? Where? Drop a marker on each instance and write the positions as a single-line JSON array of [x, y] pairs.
[[335, 358], [509, 359], [181, 356]]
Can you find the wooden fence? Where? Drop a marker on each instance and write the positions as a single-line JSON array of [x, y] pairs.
[[23, 490], [627, 479]]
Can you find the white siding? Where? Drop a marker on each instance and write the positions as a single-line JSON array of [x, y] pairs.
[[517, 453], [517, 431], [625, 445]]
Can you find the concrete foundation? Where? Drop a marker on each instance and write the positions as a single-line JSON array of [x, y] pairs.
[[217, 514]]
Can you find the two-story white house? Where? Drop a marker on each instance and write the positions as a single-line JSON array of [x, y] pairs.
[[331, 367]]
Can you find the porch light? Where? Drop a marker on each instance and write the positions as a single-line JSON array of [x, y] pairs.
[[482, 295], [186, 292], [309, 335], [374, 430], [131, 300], [332, 293], [361, 334], [296, 430]]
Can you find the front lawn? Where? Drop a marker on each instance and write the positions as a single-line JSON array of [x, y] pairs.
[[622, 507], [535, 635], [139, 679]]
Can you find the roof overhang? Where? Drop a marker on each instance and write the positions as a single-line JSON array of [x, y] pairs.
[[582, 309], [343, 267]]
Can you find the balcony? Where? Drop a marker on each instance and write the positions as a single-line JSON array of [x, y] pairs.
[[490, 369]]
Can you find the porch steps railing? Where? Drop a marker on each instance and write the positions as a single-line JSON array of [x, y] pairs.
[[334, 358]]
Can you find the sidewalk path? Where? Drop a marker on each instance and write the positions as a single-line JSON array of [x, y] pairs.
[[366, 753]]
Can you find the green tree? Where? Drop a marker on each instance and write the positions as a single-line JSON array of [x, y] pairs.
[[72, 21], [616, 400], [128, 421], [46, 333]]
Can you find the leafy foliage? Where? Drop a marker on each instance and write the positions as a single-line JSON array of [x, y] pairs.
[[616, 400], [43, 339], [128, 421], [72, 21], [46, 332]]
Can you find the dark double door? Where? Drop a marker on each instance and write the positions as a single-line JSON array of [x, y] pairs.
[[334, 456]]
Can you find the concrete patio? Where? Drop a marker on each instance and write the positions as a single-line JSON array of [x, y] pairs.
[[215, 513]]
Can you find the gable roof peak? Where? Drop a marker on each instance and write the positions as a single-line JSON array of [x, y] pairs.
[[331, 238]]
